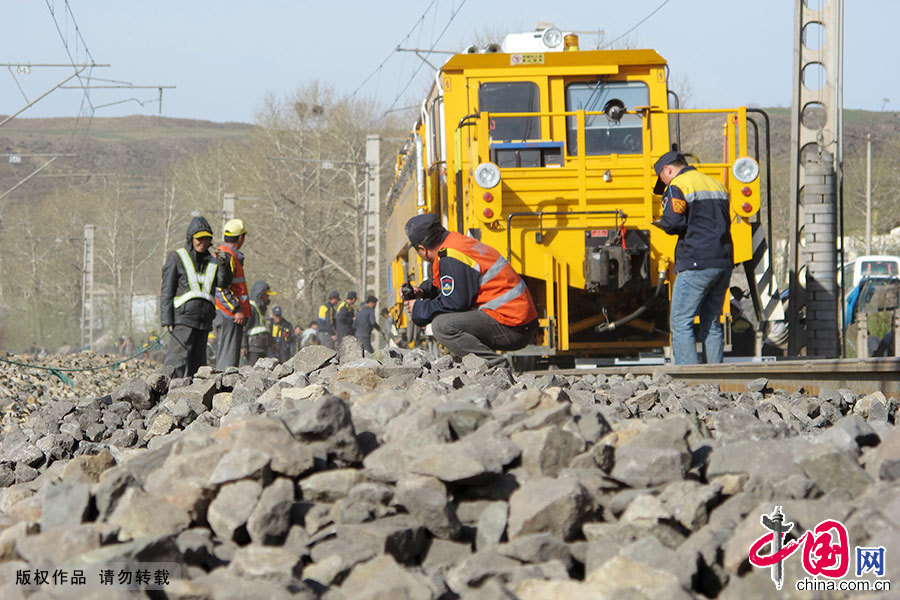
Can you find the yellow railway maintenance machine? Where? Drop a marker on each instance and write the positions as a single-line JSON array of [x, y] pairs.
[[546, 153]]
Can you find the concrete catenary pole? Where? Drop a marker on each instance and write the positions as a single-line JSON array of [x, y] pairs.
[[869, 193], [87, 290], [820, 251], [816, 131], [372, 266]]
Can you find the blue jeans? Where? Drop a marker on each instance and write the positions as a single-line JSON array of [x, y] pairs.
[[698, 292]]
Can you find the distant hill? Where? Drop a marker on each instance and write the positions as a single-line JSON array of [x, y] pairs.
[[138, 147]]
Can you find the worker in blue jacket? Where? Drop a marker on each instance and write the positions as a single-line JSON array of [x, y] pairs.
[[696, 208]]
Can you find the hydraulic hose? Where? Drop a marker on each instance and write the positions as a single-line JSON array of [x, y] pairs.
[[606, 327]]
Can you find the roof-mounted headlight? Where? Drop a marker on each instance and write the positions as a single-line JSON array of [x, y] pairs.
[[487, 175], [552, 37], [745, 169]]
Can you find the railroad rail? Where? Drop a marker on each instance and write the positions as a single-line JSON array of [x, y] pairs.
[[862, 376]]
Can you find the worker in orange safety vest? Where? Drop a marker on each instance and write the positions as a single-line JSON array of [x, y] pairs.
[[232, 302]]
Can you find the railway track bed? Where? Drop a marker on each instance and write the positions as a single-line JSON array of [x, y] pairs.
[[862, 376]]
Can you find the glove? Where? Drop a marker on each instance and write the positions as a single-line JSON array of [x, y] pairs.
[[169, 328]]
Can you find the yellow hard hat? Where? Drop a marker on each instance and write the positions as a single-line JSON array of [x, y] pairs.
[[234, 227]]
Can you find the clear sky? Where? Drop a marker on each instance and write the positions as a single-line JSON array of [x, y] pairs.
[[223, 56]]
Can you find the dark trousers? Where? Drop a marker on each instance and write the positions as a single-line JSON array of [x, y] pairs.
[[228, 349], [187, 350], [476, 332]]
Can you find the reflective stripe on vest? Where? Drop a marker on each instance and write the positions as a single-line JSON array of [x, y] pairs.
[[502, 293], [200, 286], [238, 285], [260, 328]]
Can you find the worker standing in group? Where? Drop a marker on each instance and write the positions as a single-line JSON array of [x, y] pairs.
[[365, 322], [308, 336], [256, 336], [476, 303], [281, 331], [696, 208], [344, 317], [327, 330], [233, 301], [186, 302]]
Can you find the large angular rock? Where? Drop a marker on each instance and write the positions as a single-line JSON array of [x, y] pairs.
[[426, 500], [184, 479], [537, 548], [240, 463], [833, 469], [232, 506], [140, 515], [310, 358], [478, 569], [330, 486], [287, 456], [400, 536], [548, 450], [271, 518], [268, 563], [556, 506], [65, 504], [659, 454], [452, 463], [326, 424], [136, 392], [382, 578], [199, 393], [491, 526]]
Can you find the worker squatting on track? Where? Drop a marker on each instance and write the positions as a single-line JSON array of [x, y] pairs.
[[476, 303]]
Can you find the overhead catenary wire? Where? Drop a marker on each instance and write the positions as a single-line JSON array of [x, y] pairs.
[[418, 68], [391, 53], [638, 24], [86, 97]]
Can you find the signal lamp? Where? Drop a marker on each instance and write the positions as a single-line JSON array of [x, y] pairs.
[[552, 37], [488, 213], [488, 197], [487, 175], [746, 190], [746, 207], [745, 169]]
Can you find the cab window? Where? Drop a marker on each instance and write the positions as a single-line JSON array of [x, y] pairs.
[[511, 96], [602, 134]]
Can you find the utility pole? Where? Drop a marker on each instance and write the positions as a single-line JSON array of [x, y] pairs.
[[87, 289], [372, 266], [868, 193], [227, 210], [816, 175]]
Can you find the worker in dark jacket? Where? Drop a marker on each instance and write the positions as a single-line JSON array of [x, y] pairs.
[[186, 302], [365, 322], [256, 334], [282, 333], [327, 331], [696, 208], [344, 317], [475, 301]]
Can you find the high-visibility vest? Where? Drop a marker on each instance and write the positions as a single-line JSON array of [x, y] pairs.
[[199, 286], [501, 293], [238, 285], [260, 324]]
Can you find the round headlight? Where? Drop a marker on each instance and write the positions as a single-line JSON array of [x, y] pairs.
[[552, 37], [487, 175], [745, 169]]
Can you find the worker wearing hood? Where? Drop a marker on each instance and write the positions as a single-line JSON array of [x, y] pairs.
[[187, 302], [257, 340]]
